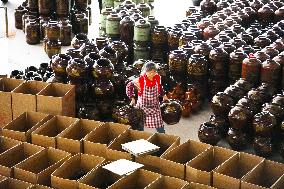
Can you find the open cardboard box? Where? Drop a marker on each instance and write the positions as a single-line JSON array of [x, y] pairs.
[[37, 186], [173, 163], [96, 142], [22, 127], [265, 175], [66, 176], [7, 144], [71, 139], [200, 169], [24, 97], [46, 134], [98, 178], [10, 183], [115, 151], [6, 86], [279, 184], [166, 182], [139, 179], [38, 168], [234, 169], [165, 142], [57, 99], [193, 185], [15, 155]]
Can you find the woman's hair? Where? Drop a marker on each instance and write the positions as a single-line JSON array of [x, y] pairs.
[[149, 66]]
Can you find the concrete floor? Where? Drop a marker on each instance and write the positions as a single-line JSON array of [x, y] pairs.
[[15, 53]]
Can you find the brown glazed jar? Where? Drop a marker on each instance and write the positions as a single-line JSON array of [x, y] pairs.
[[76, 70], [65, 33], [271, 72], [235, 92], [250, 104], [228, 47], [237, 139], [197, 67], [264, 124], [253, 31], [81, 4], [214, 42], [81, 23], [279, 14], [222, 4], [190, 11], [216, 19], [247, 38], [262, 56], [91, 58], [275, 110], [251, 69], [19, 12], [171, 112], [186, 38], [243, 84], [239, 117], [209, 133], [121, 50], [221, 122], [278, 30], [188, 49], [63, 8], [204, 23], [126, 30], [103, 89], [278, 45], [102, 69], [112, 26], [263, 146], [102, 42], [221, 104], [109, 53], [219, 60], [278, 99], [237, 28], [32, 33], [271, 51], [74, 53], [59, 64], [208, 7], [238, 42], [46, 7], [53, 48], [177, 61], [203, 49], [266, 15], [173, 38], [210, 32], [33, 5], [270, 34], [252, 13], [79, 40], [262, 41], [221, 26], [52, 31], [256, 4], [235, 64], [159, 36], [258, 96]]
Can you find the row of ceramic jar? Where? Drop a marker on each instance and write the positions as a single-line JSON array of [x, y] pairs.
[[61, 7], [116, 3]]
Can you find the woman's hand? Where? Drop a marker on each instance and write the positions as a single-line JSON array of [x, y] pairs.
[[165, 98], [132, 103], [136, 83]]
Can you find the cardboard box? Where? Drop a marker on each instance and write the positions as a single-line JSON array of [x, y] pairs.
[[6, 86], [7, 144], [263, 176], [173, 162], [96, 142], [38, 168], [46, 134], [115, 151], [24, 97], [65, 176], [10, 183], [37, 186], [234, 169], [165, 142], [60, 96], [166, 182], [22, 127], [193, 185], [16, 155], [71, 140], [200, 169], [279, 183], [98, 178], [137, 180]]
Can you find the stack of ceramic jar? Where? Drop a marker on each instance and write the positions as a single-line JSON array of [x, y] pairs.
[[52, 45]]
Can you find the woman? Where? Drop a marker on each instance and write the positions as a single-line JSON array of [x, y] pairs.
[[149, 89]]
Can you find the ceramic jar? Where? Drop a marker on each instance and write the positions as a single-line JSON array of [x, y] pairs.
[[89, 111], [79, 40], [109, 53], [219, 60], [53, 48], [102, 42], [171, 112], [81, 4], [142, 32], [159, 37], [275, 110], [121, 50], [91, 58], [173, 38], [81, 23], [270, 72], [210, 32], [186, 38], [208, 7], [250, 104], [278, 45], [221, 104], [197, 67], [59, 64], [32, 33], [177, 61], [235, 64], [63, 8], [141, 52], [251, 69], [221, 122], [19, 12], [190, 11], [46, 7], [76, 70], [102, 69], [266, 15], [104, 13], [103, 89], [65, 33], [126, 30], [145, 9], [263, 146], [235, 92], [239, 117], [203, 49], [237, 139], [271, 51], [74, 53], [278, 99], [257, 95], [262, 41], [243, 84], [247, 38], [112, 26], [264, 124], [52, 31], [209, 133], [262, 56]]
